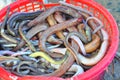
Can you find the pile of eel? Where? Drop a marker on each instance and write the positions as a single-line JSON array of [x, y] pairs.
[[62, 41]]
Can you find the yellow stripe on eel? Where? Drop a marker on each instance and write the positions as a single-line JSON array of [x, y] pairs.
[[48, 58]]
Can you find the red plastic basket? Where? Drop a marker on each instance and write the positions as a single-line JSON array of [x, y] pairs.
[[96, 72]]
